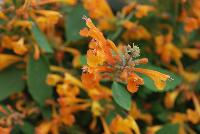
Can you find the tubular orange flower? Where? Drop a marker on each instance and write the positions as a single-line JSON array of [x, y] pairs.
[[94, 58], [2, 15], [75, 53], [5, 130], [158, 78], [99, 93], [190, 24], [193, 116], [126, 125], [143, 10], [137, 114], [100, 11], [89, 80], [192, 52], [19, 47], [43, 128], [178, 117], [103, 46], [153, 129], [127, 9], [104, 61], [53, 79], [133, 83], [46, 19], [7, 60], [22, 23], [170, 99], [135, 31], [166, 48]]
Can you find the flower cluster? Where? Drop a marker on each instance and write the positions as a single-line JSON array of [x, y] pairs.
[[129, 67], [106, 61]]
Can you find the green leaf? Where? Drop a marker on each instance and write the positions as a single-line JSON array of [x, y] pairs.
[[74, 23], [27, 128], [121, 96], [111, 115], [83, 60], [169, 129], [11, 82], [46, 112], [170, 84], [41, 39], [37, 71]]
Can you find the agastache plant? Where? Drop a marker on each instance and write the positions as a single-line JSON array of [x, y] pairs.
[[106, 61]]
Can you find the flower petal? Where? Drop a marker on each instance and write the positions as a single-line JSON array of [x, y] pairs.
[[158, 78]]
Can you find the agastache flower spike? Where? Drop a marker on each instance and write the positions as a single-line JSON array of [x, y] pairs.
[[108, 62]]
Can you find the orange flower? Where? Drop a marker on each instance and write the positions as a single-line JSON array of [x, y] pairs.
[[135, 31], [66, 112], [189, 76], [193, 116], [96, 108], [69, 102], [129, 25], [46, 18], [127, 9], [196, 8], [167, 49], [94, 58], [75, 53], [7, 60], [178, 118], [126, 125], [153, 129], [89, 80], [192, 52], [100, 11], [19, 47], [43, 128], [101, 47], [190, 24], [137, 114], [104, 61], [158, 78], [99, 92], [143, 10], [5, 130], [133, 83], [21, 23], [170, 98], [53, 79], [2, 15], [67, 90]]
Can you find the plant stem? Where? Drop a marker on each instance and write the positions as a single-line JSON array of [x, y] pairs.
[[121, 29]]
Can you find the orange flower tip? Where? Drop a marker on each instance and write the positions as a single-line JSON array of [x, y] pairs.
[[144, 60], [141, 61]]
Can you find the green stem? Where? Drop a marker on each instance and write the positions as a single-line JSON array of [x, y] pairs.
[[118, 32]]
